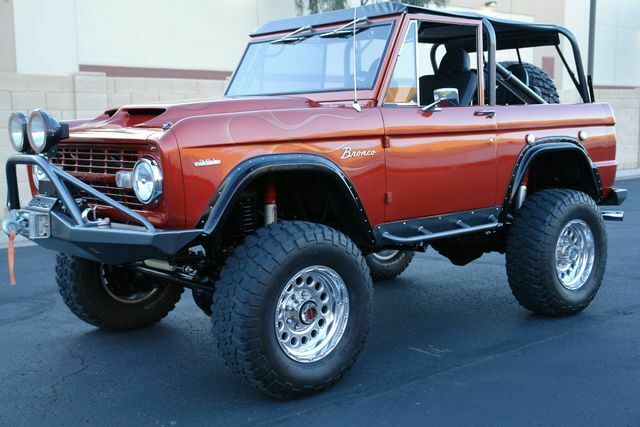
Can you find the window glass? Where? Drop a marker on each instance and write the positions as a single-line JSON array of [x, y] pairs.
[[453, 47], [403, 87], [314, 64], [414, 80]]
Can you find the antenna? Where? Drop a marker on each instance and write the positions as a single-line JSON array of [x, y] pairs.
[[356, 106]]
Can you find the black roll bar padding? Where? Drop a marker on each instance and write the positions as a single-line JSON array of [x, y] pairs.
[[583, 89], [57, 176], [568, 68], [491, 62], [509, 77], [434, 59]]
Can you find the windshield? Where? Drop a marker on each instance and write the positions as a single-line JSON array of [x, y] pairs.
[[313, 64]]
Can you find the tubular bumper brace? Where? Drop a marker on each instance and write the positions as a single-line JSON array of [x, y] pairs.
[[53, 220]]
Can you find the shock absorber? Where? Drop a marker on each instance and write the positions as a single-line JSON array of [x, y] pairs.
[[270, 206]]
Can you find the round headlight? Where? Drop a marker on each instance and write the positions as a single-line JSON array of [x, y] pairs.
[[38, 175], [147, 180], [45, 131], [18, 131]]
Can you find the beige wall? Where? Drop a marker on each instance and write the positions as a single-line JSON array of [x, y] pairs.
[[186, 34], [86, 95], [7, 40], [618, 43], [626, 106]]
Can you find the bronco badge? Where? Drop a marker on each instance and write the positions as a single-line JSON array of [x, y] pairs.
[[348, 153]]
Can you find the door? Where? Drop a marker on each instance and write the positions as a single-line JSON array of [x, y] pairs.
[[444, 160]]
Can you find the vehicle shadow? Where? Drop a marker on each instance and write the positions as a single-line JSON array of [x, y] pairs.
[[425, 326]]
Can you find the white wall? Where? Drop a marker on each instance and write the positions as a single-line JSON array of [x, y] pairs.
[[54, 37], [45, 36], [7, 38], [617, 57], [196, 34]]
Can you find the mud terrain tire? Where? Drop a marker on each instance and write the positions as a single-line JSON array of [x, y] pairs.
[[249, 296], [81, 286], [386, 265], [540, 252]]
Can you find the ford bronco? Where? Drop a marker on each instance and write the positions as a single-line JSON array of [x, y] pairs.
[[346, 142]]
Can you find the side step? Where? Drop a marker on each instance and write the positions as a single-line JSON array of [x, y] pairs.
[[422, 230], [426, 236]]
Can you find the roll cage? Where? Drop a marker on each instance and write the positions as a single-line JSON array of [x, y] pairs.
[[498, 34]]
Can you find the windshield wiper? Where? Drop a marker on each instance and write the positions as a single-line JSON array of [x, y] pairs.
[[346, 29], [293, 37]]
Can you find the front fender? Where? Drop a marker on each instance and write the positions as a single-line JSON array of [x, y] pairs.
[[227, 193]]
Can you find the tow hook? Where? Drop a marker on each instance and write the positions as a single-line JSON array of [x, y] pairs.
[[15, 225], [90, 217], [28, 223]]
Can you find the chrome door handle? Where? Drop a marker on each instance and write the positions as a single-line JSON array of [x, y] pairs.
[[488, 113]]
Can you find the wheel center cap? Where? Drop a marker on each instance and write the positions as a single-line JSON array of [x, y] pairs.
[[308, 312]]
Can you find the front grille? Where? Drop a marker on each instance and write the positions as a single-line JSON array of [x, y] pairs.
[[97, 167], [95, 160]]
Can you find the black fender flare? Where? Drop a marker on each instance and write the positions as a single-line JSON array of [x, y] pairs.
[[247, 171], [543, 146]]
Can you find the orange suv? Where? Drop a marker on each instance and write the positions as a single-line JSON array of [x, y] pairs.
[[346, 142]]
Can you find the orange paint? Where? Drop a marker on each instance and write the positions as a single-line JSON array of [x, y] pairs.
[[432, 163]]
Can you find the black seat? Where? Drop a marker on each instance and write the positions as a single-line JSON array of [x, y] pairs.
[[454, 72]]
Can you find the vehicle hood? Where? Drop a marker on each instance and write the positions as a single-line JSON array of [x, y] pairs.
[[141, 121], [229, 121]]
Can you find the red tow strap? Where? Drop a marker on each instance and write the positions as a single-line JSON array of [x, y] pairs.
[[11, 254]]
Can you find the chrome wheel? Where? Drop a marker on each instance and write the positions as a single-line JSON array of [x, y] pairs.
[[312, 314], [575, 254], [386, 254], [121, 287]]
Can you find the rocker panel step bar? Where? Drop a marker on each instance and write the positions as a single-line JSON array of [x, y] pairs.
[[428, 229]]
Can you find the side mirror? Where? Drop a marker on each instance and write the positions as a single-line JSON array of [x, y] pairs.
[[439, 95], [447, 94]]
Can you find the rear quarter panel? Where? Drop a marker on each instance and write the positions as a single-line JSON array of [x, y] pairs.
[[515, 122]]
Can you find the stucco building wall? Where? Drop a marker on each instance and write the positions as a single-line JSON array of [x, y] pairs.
[[85, 95]]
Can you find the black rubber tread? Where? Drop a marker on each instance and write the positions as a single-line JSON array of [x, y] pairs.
[[538, 78], [389, 269], [530, 254], [79, 284], [248, 286]]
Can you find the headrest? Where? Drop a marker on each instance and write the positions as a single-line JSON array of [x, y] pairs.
[[456, 59]]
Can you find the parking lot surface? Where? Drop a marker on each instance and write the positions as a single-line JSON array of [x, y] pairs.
[[448, 345]]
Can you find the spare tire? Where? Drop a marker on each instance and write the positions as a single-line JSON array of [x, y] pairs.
[[539, 81]]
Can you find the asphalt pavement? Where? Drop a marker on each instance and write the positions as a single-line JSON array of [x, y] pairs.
[[449, 345]]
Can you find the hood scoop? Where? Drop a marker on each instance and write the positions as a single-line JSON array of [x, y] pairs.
[[136, 116]]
